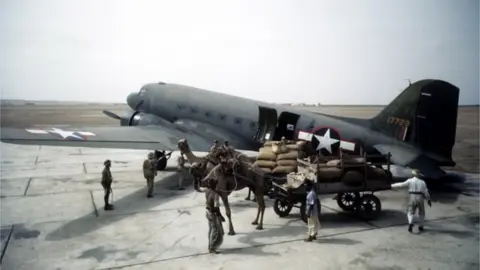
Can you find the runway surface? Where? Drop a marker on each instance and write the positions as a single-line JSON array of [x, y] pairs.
[[52, 214], [52, 217]]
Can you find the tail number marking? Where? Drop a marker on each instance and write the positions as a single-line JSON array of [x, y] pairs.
[[398, 121]]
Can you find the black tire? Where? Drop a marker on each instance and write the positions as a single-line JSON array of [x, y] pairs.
[[282, 208], [347, 201], [162, 164], [303, 210], [369, 207]]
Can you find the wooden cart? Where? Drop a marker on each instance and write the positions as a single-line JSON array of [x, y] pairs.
[[354, 181]]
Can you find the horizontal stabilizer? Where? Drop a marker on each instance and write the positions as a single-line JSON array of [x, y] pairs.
[[410, 157]]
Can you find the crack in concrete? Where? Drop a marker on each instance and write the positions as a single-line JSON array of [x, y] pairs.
[[28, 185], [6, 243], [84, 168]]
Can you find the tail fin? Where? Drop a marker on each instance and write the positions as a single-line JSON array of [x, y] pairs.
[[425, 116]]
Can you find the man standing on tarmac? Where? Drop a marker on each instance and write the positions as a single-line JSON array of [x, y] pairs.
[[149, 172], [418, 194], [311, 211], [106, 182]]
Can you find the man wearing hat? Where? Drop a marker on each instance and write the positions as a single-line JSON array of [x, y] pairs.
[[311, 211], [149, 172], [107, 184], [229, 150], [214, 146], [418, 194]]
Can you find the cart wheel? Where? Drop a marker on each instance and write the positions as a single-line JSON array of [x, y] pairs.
[[282, 208], [303, 211], [347, 200], [369, 207]]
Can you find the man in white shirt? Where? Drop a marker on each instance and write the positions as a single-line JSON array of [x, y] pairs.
[[418, 194]]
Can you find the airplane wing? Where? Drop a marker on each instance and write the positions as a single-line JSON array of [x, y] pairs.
[[163, 137], [411, 157]]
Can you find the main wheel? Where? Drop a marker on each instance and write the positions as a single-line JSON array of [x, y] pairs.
[[369, 207], [282, 208], [303, 211], [161, 164], [347, 200]]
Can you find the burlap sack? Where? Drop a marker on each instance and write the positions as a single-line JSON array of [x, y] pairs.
[[265, 149], [333, 163], [301, 143], [265, 164], [292, 155], [267, 156], [269, 143], [267, 170], [279, 149], [284, 169], [293, 146], [287, 162]]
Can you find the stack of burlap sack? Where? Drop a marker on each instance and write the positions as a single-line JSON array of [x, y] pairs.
[[277, 157]]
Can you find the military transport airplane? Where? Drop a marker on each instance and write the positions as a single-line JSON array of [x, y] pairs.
[[417, 128]]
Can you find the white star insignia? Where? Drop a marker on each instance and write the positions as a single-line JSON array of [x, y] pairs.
[[325, 141], [64, 133]]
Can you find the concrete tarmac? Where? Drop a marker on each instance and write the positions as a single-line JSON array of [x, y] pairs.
[[52, 217]]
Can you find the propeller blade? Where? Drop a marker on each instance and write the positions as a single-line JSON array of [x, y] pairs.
[[138, 105], [112, 115]]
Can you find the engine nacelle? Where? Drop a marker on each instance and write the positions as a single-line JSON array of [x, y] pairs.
[[141, 119]]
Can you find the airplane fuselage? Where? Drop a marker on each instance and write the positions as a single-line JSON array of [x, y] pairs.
[[242, 116]]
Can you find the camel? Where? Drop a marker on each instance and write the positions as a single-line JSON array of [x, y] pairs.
[[201, 166], [236, 174]]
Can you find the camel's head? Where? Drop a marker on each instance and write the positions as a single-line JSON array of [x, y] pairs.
[[182, 145]]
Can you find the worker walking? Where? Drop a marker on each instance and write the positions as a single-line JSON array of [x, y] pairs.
[[149, 172], [311, 211], [182, 172], [214, 217], [417, 188], [106, 182]]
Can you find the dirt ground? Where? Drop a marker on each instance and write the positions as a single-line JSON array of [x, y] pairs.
[[465, 152]]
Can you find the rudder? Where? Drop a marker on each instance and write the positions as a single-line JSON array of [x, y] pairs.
[[425, 116]]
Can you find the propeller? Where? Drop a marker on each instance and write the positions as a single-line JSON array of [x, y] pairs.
[[112, 115], [115, 116]]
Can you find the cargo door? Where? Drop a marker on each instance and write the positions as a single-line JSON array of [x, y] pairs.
[[267, 123]]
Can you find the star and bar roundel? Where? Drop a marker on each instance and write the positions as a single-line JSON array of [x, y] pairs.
[[327, 140]]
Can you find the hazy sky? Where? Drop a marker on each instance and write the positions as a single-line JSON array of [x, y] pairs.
[[333, 52]]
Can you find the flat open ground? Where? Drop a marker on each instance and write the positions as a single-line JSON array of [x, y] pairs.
[[52, 216]]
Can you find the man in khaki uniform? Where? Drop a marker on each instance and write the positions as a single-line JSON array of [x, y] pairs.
[[149, 172], [229, 150], [182, 172], [106, 182], [214, 147]]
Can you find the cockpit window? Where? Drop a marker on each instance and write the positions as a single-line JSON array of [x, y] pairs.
[[142, 92]]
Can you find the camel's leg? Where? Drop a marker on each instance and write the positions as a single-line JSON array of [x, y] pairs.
[[224, 197], [261, 204], [260, 209], [248, 197]]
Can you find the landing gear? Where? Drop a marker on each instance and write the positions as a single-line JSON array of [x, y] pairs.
[[162, 159]]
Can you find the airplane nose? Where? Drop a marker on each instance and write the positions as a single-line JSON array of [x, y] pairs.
[[132, 100]]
